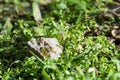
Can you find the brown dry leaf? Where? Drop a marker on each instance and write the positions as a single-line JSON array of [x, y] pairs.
[[116, 33], [45, 47]]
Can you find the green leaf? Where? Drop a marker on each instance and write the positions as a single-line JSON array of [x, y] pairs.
[[36, 12], [46, 76], [39, 31], [7, 27]]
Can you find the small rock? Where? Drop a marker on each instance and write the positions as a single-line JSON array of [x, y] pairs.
[[46, 47]]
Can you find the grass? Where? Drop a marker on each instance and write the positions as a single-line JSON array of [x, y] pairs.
[[78, 26]]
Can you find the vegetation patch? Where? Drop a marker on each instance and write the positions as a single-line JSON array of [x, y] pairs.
[[87, 30]]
